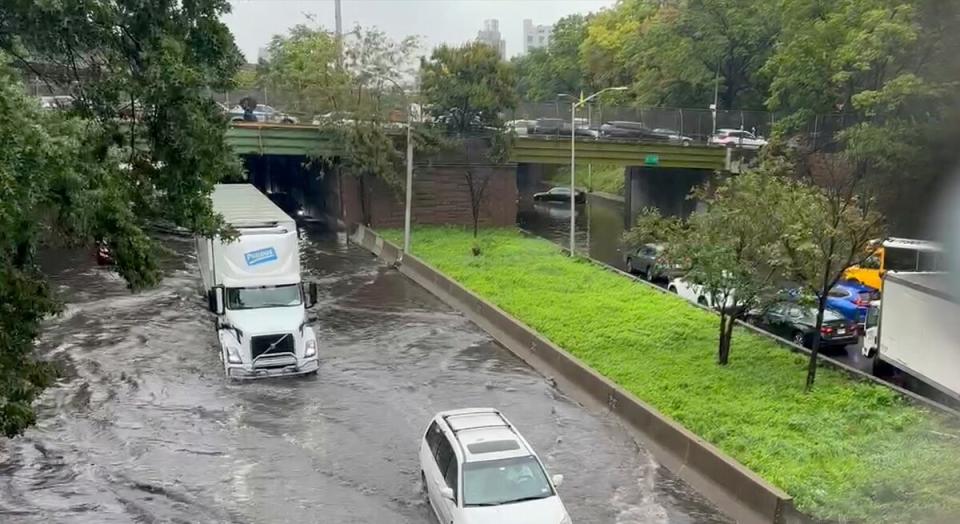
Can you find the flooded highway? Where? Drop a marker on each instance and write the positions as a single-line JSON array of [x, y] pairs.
[[144, 427]]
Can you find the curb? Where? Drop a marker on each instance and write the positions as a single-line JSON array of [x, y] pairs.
[[734, 489]]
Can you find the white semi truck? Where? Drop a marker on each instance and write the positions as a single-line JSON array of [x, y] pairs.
[[913, 328], [252, 283]]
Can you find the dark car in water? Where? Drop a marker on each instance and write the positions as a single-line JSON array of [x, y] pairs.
[[560, 194], [797, 323]]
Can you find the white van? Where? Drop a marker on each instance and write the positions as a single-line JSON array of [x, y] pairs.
[[252, 283]]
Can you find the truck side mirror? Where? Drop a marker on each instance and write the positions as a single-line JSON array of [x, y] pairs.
[[215, 300], [311, 294]]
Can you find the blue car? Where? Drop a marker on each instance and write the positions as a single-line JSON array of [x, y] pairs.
[[852, 300]]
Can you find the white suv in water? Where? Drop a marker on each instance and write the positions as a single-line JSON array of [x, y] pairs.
[[477, 469]]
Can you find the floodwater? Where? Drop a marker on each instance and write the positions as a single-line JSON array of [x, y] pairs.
[[145, 428]]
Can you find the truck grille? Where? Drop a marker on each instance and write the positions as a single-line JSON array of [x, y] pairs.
[[282, 343]]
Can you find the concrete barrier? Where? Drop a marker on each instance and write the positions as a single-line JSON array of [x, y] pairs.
[[736, 490]]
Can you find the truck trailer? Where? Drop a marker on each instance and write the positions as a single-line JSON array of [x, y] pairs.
[[912, 329], [252, 283]]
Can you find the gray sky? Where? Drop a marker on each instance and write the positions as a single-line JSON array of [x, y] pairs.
[[253, 22]]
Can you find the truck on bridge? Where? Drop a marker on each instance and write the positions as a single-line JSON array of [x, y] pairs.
[[252, 282]]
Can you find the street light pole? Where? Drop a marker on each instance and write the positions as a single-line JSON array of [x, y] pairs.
[[409, 197], [573, 160], [573, 177]]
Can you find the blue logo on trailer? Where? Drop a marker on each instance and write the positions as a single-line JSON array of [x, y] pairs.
[[260, 256]]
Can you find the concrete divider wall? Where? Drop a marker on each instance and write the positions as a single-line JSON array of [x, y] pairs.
[[735, 489]]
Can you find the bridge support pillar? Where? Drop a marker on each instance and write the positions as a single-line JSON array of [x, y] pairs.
[[665, 189]]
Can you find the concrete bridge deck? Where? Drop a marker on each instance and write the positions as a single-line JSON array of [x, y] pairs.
[[292, 139]]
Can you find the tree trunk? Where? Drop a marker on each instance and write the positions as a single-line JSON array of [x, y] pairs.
[[364, 208], [723, 352], [815, 347]]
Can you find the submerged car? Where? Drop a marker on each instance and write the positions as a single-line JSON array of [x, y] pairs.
[[476, 468], [560, 194]]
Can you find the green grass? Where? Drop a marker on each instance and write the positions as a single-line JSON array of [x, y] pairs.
[[605, 178], [850, 450]]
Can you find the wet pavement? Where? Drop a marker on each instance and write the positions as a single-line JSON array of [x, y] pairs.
[[599, 227], [146, 429]]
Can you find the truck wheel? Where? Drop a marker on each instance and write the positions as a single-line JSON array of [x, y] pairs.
[[672, 290], [702, 301]]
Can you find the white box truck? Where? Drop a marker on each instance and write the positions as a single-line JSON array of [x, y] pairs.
[[913, 328], [252, 283]]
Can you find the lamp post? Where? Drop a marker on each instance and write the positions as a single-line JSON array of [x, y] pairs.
[[573, 159]]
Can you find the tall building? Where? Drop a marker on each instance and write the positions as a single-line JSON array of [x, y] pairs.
[[490, 35], [535, 36]]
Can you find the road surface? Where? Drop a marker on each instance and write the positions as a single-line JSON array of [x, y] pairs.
[[145, 429]]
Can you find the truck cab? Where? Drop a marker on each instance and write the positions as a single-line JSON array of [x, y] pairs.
[[253, 285]]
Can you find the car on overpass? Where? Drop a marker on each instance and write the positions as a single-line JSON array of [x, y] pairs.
[[737, 138], [262, 113], [560, 194], [634, 130], [674, 137], [476, 467]]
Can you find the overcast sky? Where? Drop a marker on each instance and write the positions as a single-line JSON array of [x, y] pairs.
[[254, 22]]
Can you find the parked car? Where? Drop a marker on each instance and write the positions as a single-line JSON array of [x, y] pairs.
[[627, 129], [852, 300], [737, 138], [288, 203], [648, 261], [560, 194], [674, 137], [695, 293], [797, 323], [476, 467], [263, 113]]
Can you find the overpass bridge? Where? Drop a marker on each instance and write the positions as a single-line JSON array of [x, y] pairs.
[[306, 140]]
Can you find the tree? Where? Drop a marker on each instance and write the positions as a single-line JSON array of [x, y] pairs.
[[544, 72], [730, 249], [828, 226], [886, 72], [467, 87], [144, 143], [303, 68]]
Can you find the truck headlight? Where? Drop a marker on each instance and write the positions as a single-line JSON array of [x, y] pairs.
[[233, 355], [310, 349]]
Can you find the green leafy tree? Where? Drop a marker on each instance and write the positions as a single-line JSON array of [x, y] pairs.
[[144, 143], [542, 73], [468, 86], [730, 250], [302, 68], [827, 227]]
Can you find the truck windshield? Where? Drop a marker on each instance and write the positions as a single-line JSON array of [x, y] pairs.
[[267, 296]]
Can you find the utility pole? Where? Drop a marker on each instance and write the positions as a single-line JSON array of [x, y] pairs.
[[339, 34]]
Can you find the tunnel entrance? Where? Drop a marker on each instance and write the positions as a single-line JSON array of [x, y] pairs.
[[302, 186]]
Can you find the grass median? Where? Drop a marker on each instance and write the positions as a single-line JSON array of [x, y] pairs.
[[849, 451]]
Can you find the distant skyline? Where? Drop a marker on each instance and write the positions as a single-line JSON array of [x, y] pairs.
[[254, 22]]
